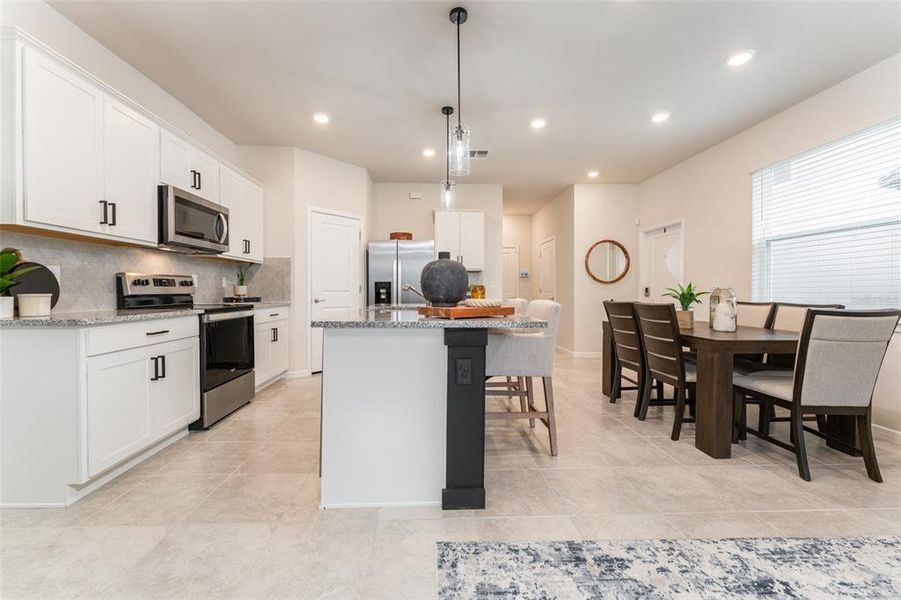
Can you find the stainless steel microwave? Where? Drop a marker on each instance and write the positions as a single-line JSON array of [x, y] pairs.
[[191, 224]]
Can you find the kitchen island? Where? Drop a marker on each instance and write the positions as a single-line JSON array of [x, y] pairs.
[[403, 408]]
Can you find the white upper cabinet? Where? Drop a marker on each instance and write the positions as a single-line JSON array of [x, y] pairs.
[[62, 127], [130, 173], [244, 201], [187, 167], [463, 235]]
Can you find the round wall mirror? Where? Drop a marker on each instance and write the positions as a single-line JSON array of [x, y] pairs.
[[607, 261]]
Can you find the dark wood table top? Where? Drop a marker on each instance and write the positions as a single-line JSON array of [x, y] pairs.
[[742, 340]]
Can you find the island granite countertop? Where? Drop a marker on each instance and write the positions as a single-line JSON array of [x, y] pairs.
[[94, 318], [406, 317]]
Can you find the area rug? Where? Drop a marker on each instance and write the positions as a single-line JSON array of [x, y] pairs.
[[852, 567]]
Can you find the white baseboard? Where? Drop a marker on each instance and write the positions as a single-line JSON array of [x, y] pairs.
[[884, 433], [574, 354], [296, 374]]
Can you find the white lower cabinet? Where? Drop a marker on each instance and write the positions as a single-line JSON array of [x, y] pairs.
[[270, 339], [115, 395], [139, 396]]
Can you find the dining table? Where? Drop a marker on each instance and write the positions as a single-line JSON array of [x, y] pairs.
[[716, 351]]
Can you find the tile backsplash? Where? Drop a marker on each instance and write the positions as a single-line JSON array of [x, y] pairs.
[[87, 271]]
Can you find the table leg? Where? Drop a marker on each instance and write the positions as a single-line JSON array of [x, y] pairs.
[[713, 414], [465, 459]]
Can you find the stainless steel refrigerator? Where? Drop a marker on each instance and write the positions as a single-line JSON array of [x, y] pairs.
[[391, 265]]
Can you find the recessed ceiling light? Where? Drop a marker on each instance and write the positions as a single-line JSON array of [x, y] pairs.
[[593, 174], [538, 123], [321, 118], [660, 117], [740, 58], [428, 153]]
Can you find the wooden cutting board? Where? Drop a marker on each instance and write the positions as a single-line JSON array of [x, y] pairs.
[[465, 312]]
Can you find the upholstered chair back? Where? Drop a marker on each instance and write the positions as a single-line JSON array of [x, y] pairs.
[[755, 314], [840, 354], [518, 304], [525, 354], [790, 317]]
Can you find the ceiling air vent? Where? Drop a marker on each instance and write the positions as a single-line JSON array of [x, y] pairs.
[[478, 154]]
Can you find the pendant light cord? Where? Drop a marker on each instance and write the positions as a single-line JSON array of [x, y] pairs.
[[447, 154], [459, 107]]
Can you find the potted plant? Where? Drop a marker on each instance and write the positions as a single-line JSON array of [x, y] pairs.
[[687, 296], [9, 258], [241, 287]]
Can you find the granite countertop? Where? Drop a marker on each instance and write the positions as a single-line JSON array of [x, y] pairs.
[[94, 318], [407, 318]]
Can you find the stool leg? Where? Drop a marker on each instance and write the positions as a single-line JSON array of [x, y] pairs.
[[523, 403], [551, 419], [530, 399]]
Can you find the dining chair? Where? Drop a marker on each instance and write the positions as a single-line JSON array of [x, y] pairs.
[[628, 354], [840, 354], [527, 355], [664, 358]]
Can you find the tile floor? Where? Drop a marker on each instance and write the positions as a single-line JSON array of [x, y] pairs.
[[233, 512]]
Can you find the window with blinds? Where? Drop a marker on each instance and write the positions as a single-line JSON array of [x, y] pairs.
[[826, 225]]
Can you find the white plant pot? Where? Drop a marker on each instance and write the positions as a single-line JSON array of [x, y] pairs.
[[7, 303], [34, 305], [240, 290]]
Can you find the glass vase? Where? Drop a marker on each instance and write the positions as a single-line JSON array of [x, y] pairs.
[[722, 309]]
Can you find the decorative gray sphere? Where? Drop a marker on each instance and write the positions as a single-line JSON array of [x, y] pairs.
[[444, 281]]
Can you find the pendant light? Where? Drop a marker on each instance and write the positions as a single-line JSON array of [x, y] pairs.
[[459, 138], [448, 187]]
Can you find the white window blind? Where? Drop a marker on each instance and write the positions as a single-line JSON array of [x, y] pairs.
[[826, 225]]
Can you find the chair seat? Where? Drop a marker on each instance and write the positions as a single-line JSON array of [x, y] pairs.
[[777, 383], [691, 372], [744, 366]]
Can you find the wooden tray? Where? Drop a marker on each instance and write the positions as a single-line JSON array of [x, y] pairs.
[[465, 312]]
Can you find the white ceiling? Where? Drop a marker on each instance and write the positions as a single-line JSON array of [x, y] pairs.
[[596, 71]]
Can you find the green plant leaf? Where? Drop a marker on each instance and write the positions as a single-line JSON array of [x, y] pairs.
[[20, 272], [7, 261]]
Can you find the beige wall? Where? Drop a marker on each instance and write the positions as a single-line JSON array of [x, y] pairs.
[[712, 191], [517, 233], [392, 210], [601, 211], [56, 31], [556, 220]]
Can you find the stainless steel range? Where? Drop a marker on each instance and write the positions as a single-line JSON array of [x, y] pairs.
[[226, 339]]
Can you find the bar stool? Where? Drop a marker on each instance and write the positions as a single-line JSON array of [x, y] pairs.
[[519, 307], [527, 355]]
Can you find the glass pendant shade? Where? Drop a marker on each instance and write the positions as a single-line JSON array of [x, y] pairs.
[[459, 151], [448, 193]]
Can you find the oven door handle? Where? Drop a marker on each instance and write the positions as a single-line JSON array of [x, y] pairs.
[[226, 316]]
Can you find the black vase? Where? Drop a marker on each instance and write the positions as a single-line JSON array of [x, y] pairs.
[[444, 281]]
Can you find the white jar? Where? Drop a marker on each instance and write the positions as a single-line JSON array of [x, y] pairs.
[[34, 305], [240, 291], [7, 303]]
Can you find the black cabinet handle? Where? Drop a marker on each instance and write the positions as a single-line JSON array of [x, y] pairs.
[[248, 246], [163, 370], [105, 206], [194, 180], [160, 332], [113, 205], [276, 334], [199, 180], [156, 368], [274, 314]]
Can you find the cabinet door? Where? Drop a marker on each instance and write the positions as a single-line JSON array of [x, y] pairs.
[[175, 396], [175, 161], [253, 215], [131, 155], [472, 240], [262, 361], [63, 127], [447, 233], [231, 189], [279, 348], [118, 407], [207, 169]]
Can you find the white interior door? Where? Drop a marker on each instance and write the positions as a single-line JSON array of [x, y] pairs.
[[335, 284], [547, 269], [511, 273], [662, 261]]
